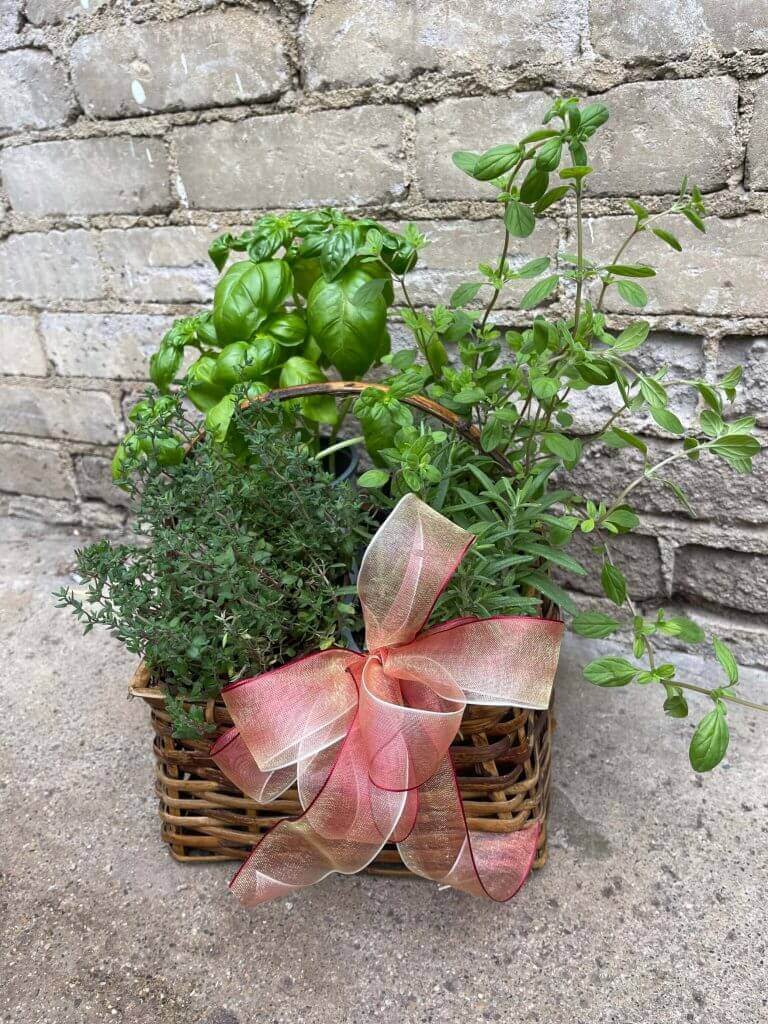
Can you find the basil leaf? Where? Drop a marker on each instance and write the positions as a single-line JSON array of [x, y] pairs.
[[495, 162], [539, 292], [614, 584], [351, 336], [246, 295], [633, 294], [727, 660]]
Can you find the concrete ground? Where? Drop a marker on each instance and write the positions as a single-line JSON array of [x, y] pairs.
[[651, 909]]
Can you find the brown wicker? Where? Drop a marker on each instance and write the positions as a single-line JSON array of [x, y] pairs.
[[501, 755], [502, 758]]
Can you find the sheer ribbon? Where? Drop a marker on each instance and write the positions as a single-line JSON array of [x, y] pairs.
[[366, 737]]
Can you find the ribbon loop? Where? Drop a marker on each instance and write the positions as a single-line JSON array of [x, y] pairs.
[[367, 737]]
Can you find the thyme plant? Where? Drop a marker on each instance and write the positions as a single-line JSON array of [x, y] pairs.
[[238, 565]]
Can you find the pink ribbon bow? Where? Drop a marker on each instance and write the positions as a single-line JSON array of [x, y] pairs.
[[366, 737]]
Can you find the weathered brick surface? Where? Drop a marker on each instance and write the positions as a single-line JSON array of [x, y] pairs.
[[40, 471], [44, 267], [720, 273], [733, 578], [348, 42], [442, 128], [94, 480], [102, 345], [757, 147], [668, 28], [644, 147], [206, 60], [637, 556], [752, 355], [66, 413], [346, 157], [87, 176], [21, 351], [52, 12], [457, 246], [715, 491], [168, 264], [34, 92]]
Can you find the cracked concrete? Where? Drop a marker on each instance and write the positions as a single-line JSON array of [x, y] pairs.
[[651, 907]]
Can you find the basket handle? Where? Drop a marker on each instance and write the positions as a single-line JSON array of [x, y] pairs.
[[463, 427]]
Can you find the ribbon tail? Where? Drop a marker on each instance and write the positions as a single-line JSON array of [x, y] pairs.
[[342, 830], [235, 760], [442, 847]]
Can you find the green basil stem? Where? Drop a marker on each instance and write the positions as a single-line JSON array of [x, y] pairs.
[[346, 443]]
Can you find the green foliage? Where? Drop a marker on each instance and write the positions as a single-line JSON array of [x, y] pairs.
[[314, 285], [237, 566], [515, 388]]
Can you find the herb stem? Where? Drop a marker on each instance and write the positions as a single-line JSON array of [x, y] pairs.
[[346, 443]]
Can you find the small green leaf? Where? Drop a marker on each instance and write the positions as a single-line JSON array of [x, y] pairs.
[[667, 420], [652, 391], [576, 173], [676, 706], [710, 740], [550, 198], [373, 478], [368, 291], [632, 337], [533, 267], [519, 219], [544, 388], [630, 270], [727, 660], [594, 625], [465, 293], [623, 518], [614, 584], [539, 292], [610, 671], [618, 438], [668, 237], [633, 294], [495, 162], [685, 629], [566, 448], [465, 161]]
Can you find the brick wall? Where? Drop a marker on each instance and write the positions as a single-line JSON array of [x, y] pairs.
[[132, 132]]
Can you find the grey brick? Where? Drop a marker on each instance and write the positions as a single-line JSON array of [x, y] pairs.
[[752, 355], [349, 157], [21, 351], [715, 491], [476, 123], [457, 246], [87, 176], [636, 555], [685, 358], [94, 480], [353, 43], [667, 28], [111, 345], [733, 578], [168, 264], [205, 60], [53, 12], [660, 131], [34, 92], [757, 147], [50, 266], [40, 471], [68, 413], [720, 273]]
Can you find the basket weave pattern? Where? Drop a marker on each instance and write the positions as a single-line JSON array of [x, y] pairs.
[[501, 755]]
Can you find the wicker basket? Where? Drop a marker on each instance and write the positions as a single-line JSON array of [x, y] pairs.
[[502, 758], [501, 755]]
